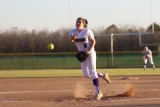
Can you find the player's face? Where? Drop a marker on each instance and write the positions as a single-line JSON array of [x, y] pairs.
[[79, 24]]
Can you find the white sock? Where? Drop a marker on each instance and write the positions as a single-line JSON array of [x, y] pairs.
[[96, 89], [153, 66], [100, 74]]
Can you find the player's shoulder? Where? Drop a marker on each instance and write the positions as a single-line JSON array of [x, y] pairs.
[[88, 30], [73, 30]]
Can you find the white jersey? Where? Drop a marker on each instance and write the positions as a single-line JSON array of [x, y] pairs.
[[83, 39], [147, 52]]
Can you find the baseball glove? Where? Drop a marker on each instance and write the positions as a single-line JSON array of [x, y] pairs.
[[82, 56]]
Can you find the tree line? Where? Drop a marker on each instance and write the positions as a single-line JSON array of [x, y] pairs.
[[23, 41]]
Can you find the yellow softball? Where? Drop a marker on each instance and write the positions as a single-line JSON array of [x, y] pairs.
[[50, 46]]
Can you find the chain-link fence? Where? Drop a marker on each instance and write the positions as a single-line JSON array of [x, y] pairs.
[[68, 61]]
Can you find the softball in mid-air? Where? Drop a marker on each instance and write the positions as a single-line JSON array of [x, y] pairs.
[[50, 46]]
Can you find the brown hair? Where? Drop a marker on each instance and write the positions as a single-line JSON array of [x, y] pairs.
[[86, 23]]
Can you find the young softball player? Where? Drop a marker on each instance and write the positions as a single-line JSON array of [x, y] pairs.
[[147, 55], [85, 41]]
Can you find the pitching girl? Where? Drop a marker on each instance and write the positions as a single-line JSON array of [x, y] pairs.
[[147, 55], [85, 41]]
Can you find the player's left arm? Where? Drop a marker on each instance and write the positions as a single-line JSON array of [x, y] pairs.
[[92, 41], [92, 44]]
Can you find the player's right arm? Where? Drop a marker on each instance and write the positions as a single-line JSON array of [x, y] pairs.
[[72, 35], [73, 38]]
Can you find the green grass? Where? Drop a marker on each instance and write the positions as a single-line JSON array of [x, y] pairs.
[[74, 72], [68, 61]]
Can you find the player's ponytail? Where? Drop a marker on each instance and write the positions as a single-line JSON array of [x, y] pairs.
[[86, 23]]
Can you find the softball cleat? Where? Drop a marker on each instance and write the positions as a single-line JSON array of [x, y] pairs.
[[106, 78], [99, 96]]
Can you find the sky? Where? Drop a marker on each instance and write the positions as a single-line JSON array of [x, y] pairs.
[[58, 14]]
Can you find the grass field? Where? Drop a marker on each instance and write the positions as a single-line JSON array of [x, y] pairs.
[[68, 61], [74, 72]]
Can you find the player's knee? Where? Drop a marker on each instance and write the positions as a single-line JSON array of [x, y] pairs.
[[87, 76]]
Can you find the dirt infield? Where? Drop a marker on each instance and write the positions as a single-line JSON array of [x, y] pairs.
[[137, 91]]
